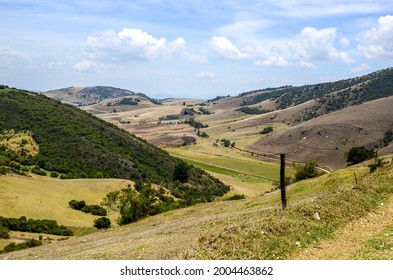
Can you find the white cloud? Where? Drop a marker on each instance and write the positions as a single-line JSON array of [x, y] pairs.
[[361, 68], [85, 66], [378, 42], [344, 41], [274, 61], [224, 48], [134, 43], [205, 75], [307, 65], [317, 45]]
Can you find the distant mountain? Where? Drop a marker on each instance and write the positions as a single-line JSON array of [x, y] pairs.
[[77, 144], [82, 96]]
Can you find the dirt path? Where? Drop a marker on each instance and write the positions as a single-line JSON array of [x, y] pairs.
[[350, 238]]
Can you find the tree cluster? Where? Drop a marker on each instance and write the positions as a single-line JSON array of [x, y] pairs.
[[82, 206], [38, 226]]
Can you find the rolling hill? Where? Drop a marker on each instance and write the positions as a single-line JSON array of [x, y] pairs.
[[82, 96], [78, 145], [355, 222]]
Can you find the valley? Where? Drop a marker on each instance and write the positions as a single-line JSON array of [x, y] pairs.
[[198, 155]]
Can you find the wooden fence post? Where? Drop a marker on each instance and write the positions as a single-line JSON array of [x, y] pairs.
[[282, 182]]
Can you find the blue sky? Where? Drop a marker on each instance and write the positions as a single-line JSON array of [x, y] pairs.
[[191, 48]]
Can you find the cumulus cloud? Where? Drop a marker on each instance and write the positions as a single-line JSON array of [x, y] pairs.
[[222, 46], [361, 68], [275, 61], [85, 66], [136, 44], [317, 45], [378, 41]]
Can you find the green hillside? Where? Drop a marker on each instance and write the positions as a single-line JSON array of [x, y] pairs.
[[78, 145]]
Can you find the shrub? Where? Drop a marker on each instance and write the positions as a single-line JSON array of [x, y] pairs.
[[306, 171], [4, 233], [77, 205], [236, 197], [94, 210], [54, 174], [378, 163], [204, 135], [266, 130], [38, 171], [3, 170], [20, 246], [358, 154], [102, 222]]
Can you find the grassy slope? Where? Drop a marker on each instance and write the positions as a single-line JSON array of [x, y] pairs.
[[74, 142], [47, 198], [253, 228]]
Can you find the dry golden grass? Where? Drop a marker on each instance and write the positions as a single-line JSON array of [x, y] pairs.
[[18, 142], [251, 228], [47, 198]]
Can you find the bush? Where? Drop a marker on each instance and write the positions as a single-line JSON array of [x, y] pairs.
[[77, 205], [4, 233], [54, 174], [38, 171], [102, 222], [266, 130], [358, 154], [94, 210], [20, 246], [3, 170], [306, 171], [236, 197], [378, 163]]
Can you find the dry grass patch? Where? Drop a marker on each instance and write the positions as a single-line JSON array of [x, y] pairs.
[[47, 198]]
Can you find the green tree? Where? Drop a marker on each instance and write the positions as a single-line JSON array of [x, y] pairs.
[[181, 172], [102, 222], [130, 204], [358, 154]]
